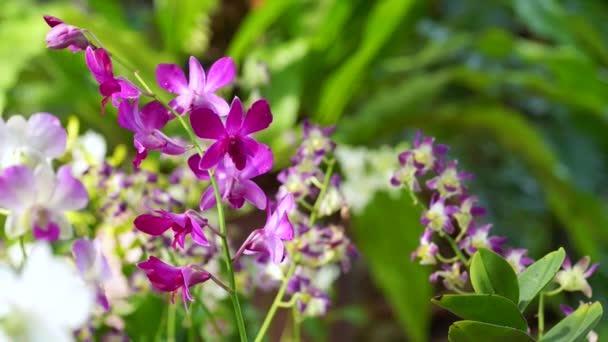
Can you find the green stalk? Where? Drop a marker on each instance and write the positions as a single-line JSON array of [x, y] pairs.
[[171, 323], [541, 315]]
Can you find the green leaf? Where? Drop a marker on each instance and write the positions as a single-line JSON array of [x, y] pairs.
[[385, 240], [471, 331], [492, 274], [576, 326], [537, 276], [385, 18], [491, 309], [255, 24]]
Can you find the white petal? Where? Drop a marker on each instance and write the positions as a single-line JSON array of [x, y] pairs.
[[17, 223]]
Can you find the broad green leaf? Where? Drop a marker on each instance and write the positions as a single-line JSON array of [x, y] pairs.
[[492, 274], [576, 326], [385, 18], [491, 309], [545, 17], [471, 331], [255, 24], [385, 240], [537, 276], [183, 24]]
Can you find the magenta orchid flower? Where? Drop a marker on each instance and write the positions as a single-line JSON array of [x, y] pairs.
[[63, 36], [518, 259], [189, 222], [147, 123], [37, 200], [167, 278], [449, 182], [235, 185], [200, 89], [233, 138], [99, 63], [93, 267], [427, 250], [574, 277], [268, 241]]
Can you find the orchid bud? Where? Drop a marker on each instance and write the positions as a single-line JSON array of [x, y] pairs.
[[63, 36]]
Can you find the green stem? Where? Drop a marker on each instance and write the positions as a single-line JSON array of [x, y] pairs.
[[554, 292], [295, 313], [457, 250], [171, 323], [23, 252], [275, 303], [541, 315], [315, 208]]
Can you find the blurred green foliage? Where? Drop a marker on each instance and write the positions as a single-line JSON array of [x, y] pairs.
[[519, 89]]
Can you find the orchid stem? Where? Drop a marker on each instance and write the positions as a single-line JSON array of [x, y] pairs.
[[23, 252], [171, 323], [325, 185], [234, 297], [457, 250], [295, 313], [275, 304], [541, 315]]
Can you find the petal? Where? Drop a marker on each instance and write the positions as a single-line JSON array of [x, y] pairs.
[[235, 117], [198, 235], [197, 75], [17, 224], [212, 156], [152, 225], [286, 204], [214, 101], [259, 164], [154, 115], [193, 162], [258, 118], [45, 135], [208, 199], [52, 21], [222, 72], [69, 192], [85, 255], [127, 116], [206, 124], [49, 233], [171, 78], [252, 193], [284, 230], [99, 63], [276, 249], [182, 103], [17, 188]]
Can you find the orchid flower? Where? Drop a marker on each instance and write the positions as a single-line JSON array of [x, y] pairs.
[[93, 267], [200, 89], [37, 199], [189, 222], [233, 138]]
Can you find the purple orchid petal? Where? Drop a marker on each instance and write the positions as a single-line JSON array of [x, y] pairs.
[[276, 249], [258, 118], [154, 115], [70, 193], [45, 134], [171, 78], [52, 21], [206, 124], [17, 188], [127, 115], [219, 105], [284, 229], [259, 164], [222, 72], [250, 191], [213, 155], [197, 75], [193, 163], [207, 199], [152, 225], [182, 103], [99, 64], [234, 121]]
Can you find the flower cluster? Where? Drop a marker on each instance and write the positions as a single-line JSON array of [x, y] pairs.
[[453, 215]]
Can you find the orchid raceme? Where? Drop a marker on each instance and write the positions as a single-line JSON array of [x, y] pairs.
[[199, 90], [38, 199], [231, 139], [39, 139]]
